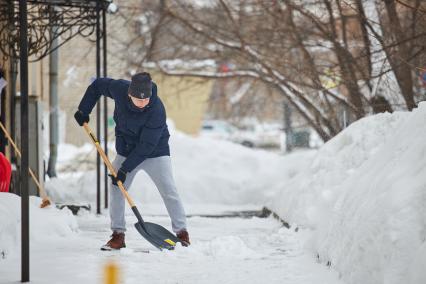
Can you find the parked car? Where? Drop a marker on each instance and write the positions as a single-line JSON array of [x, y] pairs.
[[260, 135], [217, 129]]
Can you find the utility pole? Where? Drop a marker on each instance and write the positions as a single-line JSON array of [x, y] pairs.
[[54, 104]]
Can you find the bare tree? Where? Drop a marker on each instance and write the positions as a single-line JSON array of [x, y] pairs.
[[320, 55]]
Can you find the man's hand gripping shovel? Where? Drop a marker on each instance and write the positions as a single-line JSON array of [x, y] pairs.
[[157, 235]]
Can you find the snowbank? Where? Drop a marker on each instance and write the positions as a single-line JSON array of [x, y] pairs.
[[364, 195], [44, 223]]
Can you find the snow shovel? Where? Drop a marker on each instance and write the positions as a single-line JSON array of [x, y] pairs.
[[45, 199], [157, 235]]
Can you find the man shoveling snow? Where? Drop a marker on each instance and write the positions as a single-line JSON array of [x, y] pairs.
[[142, 143]]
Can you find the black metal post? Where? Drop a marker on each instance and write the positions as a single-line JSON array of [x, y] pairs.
[[13, 78], [3, 114], [13, 75], [105, 65], [98, 108], [288, 127], [3, 121], [54, 103], [25, 244]]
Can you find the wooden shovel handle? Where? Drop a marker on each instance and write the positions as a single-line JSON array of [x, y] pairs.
[[107, 162], [40, 188]]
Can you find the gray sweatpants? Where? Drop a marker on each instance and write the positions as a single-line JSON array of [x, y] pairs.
[[160, 171]]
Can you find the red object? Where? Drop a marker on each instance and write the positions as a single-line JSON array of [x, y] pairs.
[[5, 173], [224, 68]]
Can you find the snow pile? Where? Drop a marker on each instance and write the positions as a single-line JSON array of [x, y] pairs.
[[73, 188], [364, 194], [206, 171], [68, 152], [215, 171], [45, 223]]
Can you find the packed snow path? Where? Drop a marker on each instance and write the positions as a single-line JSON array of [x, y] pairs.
[[223, 250]]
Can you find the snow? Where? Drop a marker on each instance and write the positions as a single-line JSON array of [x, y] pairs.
[[207, 171], [71, 78], [239, 94], [225, 250], [357, 205], [363, 194], [45, 224], [183, 64], [417, 273], [214, 178]]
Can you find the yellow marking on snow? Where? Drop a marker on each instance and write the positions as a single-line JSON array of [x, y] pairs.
[[111, 273]]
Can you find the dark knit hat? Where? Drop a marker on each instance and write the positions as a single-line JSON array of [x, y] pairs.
[[141, 86]]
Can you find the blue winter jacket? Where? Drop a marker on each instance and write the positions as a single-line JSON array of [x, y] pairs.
[[140, 133]]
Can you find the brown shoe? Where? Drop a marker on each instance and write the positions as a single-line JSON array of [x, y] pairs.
[[183, 236], [116, 242]]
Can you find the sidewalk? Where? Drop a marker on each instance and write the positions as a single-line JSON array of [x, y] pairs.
[[223, 250]]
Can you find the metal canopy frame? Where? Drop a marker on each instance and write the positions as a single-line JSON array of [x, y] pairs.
[[70, 17], [26, 30]]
